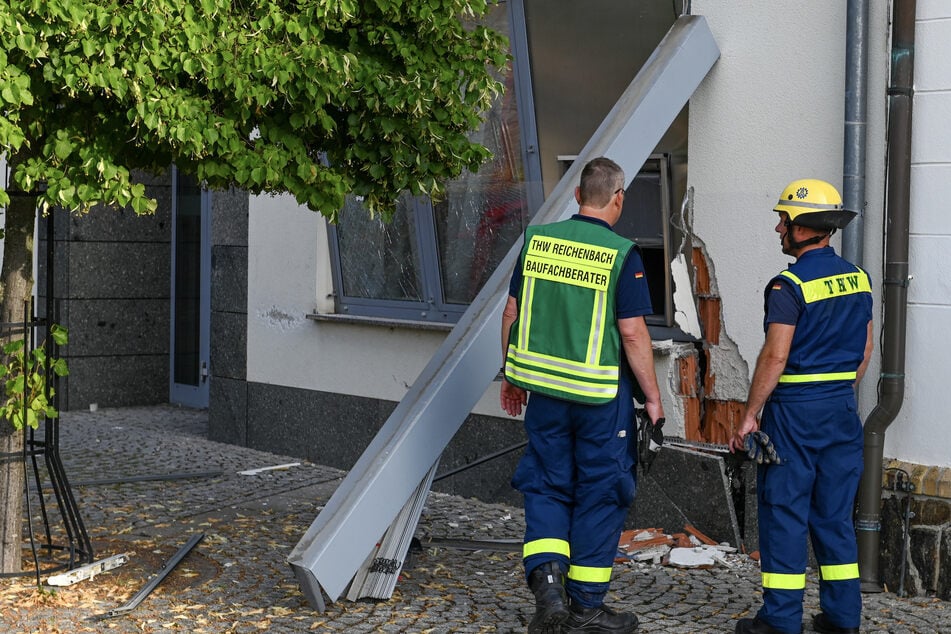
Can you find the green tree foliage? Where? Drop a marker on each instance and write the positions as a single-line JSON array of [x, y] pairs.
[[316, 98], [24, 377]]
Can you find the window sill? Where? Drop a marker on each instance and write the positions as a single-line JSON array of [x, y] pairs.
[[380, 321], [658, 333]]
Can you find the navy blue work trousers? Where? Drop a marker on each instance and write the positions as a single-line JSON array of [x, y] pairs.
[[577, 476], [811, 494]]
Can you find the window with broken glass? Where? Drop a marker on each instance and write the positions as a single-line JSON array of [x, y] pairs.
[[429, 262]]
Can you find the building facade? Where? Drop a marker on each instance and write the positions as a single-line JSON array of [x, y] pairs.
[[301, 338]]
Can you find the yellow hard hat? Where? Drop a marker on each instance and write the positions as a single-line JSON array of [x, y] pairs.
[[814, 203]]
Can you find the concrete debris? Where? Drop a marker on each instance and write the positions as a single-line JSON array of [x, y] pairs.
[[654, 554], [698, 557], [690, 549]]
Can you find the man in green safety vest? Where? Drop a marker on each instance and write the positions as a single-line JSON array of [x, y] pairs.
[[574, 336]]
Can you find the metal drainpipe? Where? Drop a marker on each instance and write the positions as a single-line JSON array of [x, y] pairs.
[[891, 386], [856, 100]]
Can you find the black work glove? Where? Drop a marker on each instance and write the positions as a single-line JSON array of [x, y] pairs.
[[650, 438], [759, 448]]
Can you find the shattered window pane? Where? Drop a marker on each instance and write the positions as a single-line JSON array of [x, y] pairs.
[[378, 260], [476, 226], [434, 256], [483, 213]]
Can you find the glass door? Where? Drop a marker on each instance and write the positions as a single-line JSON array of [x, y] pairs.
[[191, 292]]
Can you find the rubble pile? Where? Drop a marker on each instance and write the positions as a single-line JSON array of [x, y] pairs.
[[689, 549]]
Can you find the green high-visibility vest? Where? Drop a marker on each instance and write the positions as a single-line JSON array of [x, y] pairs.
[[565, 342]]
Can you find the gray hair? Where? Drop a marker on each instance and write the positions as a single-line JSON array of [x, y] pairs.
[[600, 179]]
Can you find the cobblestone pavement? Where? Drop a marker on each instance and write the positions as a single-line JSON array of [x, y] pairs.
[[147, 479]]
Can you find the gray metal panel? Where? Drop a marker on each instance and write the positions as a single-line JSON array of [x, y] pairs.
[[392, 466]]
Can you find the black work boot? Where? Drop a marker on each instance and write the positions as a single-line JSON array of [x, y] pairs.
[[547, 583], [821, 624], [597, 620]]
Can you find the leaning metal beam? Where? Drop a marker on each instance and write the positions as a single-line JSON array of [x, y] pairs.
[[419, 429]]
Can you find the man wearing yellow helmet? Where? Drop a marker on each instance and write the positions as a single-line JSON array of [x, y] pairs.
[[818, 327]]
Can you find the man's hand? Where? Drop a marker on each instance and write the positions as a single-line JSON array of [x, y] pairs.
[[512, 398], [748, 425], [650, 438]]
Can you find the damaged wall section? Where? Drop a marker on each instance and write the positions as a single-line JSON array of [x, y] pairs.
[[707, 386], [713, 377]]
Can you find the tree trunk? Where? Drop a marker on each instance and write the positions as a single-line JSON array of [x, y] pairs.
[[16, 285]]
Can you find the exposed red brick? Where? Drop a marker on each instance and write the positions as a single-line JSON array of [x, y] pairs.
[[696, 533], [710, 319], [720, 419], [629, 535], [688, 374], [701, 274], [659, 540], [692, 418]]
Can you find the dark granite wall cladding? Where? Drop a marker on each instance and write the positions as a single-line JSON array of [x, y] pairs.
[[686, 487], [229, 279], [334, 429], [228, 391], [228, 411], [112, 284], [944, 574], [118, 270], [229, 345], [112, 273], [118, 381], [100, 327], [478, 438], [229, 218]]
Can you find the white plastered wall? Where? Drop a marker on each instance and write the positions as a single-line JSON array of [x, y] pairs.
[[772, 111], [921, 433], [289, 277]]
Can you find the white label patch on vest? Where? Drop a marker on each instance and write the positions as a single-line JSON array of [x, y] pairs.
[[569, 262], [622, 433]]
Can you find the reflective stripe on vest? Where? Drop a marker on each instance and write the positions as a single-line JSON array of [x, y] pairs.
[[586, 574], [547, 545], [831, 286], [825, 376], [839, 572], [780, 581], [818, 290]]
